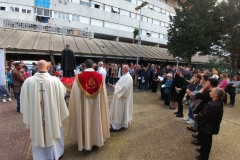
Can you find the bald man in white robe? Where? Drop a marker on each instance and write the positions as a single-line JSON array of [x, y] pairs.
[[43, 107], [121, 110]]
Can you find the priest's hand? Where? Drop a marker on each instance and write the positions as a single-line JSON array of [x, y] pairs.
[[113, 86]]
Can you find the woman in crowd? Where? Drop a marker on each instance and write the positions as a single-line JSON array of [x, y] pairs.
[[224, 81], [140, 71], [205, 97], [179, 86], [114, 74], [209, 120], [145, 79], [155, 81], [9, 79], [235, 83], [167, 87], [193, 86]]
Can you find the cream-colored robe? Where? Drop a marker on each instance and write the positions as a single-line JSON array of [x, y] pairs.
[[55, 109], [121, 110], [88, 122]]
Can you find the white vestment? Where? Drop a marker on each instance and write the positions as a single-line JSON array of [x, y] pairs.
[[88, 122], [121, 110], [103, 72], [42, 88]]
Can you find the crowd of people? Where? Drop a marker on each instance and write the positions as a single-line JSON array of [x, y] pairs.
[[204, 93]]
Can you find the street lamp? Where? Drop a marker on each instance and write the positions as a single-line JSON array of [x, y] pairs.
[[139, 38]]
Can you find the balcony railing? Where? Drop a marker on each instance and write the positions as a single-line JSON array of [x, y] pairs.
[[45, 28]]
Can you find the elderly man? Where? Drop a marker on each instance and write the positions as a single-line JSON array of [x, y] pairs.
[[101, 70], [68, 63], [88, 122], [44, 109], [121, 110]]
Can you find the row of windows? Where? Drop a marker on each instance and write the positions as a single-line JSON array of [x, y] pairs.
[[127, 13], [93, 4], [100, 23], [16, 8]]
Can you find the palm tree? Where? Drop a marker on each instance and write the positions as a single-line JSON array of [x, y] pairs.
[[135, 33]]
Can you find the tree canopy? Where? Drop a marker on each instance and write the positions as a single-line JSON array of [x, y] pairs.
[[196, 28]]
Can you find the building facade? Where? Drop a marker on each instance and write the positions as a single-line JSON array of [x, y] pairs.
[[103, 19]]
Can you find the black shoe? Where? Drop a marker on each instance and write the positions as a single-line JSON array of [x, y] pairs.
[[191, 129], [198, 150], [195, 135], [179, 115], [196, 142], [198, 157], [113, 130], [176, 113]]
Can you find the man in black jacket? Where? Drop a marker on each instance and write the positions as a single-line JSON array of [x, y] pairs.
[[68, 62], [209, 120]]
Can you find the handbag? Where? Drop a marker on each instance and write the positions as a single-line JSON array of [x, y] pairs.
[[16, 90]]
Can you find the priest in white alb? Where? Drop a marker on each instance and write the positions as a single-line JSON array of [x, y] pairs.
[[121, 110], [44, 109], [88, 122]]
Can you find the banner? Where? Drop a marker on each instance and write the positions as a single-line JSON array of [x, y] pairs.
[[2, 68]]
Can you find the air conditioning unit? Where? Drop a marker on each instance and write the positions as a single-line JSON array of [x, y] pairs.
[[60, 1], [65, 2]]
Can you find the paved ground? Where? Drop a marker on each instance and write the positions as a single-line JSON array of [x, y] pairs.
[[155, 133]]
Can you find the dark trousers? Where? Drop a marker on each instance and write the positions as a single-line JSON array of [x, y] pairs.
[[232, 98], [17, 96], [166, 99], [154, 86], [162, 93], [107, 80], [206, 144], [139, 83], [150, 82], [180, 99]]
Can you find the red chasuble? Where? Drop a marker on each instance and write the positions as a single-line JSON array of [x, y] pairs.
[[90, 83]]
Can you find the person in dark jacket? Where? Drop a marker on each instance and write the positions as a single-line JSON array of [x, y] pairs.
[[204, 95], [145, 79], [209, 120], [179, 86], [140, 71], [155, 81], [68, 62]]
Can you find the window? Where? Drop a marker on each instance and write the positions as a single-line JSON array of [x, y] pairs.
[[59, 15], [76, 1], [85, 2], [157, 22], [125, 13], [123, 28], [131, 29], [43, 12], [115, 10], [165, 37], [133, 15], [67, 17], [134, 1], [138, 17], [73, 18], [16, 9], [77, 19], [97, 5], [144, 18], [85, 20], [162, 24], [12, 9], [161, 36], [63, 16], [163, 11], [150, 6], [29, 11], [167, 13], [55, 14], [149, 34], [150, 20], [114, 26], [96, 22], [2, 8], [128, 0], [157, 9], [24, 10], [108, 8], [155, 35], [144, 32], [166, 25]]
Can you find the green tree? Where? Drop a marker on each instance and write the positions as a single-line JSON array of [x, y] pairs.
[[230, 15], [135, 34], [195, 29]]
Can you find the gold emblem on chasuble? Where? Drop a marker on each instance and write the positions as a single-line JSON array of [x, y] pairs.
[[91, 84]]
